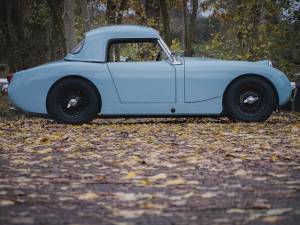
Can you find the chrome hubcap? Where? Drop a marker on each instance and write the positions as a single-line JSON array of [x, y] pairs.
[[72, 102], [251, 99]]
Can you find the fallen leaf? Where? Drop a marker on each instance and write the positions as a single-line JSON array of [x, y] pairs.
[[209, 195], [129, 214], [179, 203], [260, 205], [145, 182], [88, 196], [6, 203], [48, 158], [159, 176], [188, 195], [175, 182], [44, 151], [274, 157], [276, 212], [270, 219], [126, 196], [235, 211], [241, 173], [150, 205], [130, 175]]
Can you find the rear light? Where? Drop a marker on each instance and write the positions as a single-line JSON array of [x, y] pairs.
[[9, 77]]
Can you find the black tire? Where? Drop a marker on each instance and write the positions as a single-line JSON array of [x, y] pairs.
[[73, 101], [250, 99]]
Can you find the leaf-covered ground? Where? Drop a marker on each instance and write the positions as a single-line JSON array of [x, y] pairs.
[[150, 171]]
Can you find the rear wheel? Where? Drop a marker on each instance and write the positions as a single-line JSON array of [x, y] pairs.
[[250, 99], [73, 101]]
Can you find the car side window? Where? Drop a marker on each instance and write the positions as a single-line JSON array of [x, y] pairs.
[[135, 51]]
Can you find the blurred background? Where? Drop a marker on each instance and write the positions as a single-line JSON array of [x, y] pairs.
[[33, 32]]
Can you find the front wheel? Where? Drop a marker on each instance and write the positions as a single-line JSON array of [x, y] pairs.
[[73, 101], [250, 99]]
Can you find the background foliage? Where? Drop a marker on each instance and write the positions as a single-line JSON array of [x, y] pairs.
[[33, 32]]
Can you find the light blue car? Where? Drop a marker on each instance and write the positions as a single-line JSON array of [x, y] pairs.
[[128, 70]]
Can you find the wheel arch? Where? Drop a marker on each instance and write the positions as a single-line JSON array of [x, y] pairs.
[[76, 77], [245, 76]]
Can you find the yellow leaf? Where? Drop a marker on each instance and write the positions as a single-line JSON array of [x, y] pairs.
[[130, 175], [150, 205], [145, 182], [48, 158], [44, 151], [274, 157], [88, 196]]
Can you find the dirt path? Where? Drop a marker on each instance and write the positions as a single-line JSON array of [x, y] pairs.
[[150, 171]]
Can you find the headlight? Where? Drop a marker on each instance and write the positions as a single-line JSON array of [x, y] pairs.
[[293, 84]]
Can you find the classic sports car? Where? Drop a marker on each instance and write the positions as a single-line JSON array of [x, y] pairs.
[[128, 70]]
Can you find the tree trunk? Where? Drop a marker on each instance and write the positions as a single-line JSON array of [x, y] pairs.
[[69, 21], [185, 25], [110, 12], [84, 11], [193, 18], [11, 27], [152, 13], [166, 21], [58, 40]]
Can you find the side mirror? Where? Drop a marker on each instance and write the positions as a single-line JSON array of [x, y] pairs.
[[176, 58]]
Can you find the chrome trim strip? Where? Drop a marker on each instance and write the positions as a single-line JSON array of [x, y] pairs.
[[165, 47]]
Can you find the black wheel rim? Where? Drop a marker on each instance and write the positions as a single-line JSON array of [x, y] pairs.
[[73, 102], [251, 100]]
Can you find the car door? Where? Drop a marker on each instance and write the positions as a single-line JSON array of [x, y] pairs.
[[141, 72]]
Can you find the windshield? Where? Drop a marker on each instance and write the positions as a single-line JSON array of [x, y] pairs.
[[77, 48]]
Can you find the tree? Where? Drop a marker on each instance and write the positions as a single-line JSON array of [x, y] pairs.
[[164, 13], [58, 41], [84, 12], [31, 32], [255, 30], [152, 10], [189, 17], [115, 10], [69, 23]]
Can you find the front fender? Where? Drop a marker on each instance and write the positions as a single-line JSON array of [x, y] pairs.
[[207, 79]]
